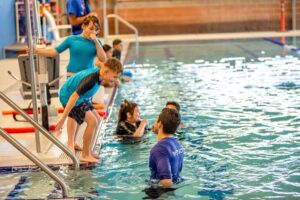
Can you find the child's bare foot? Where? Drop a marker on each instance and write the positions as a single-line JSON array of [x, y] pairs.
[[77, 147], [89, 159], [95, 155]]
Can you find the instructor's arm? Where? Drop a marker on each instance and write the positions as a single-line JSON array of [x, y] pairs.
[[78, 20]]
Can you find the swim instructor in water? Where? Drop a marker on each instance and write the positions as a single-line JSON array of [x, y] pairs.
[[166, 157]]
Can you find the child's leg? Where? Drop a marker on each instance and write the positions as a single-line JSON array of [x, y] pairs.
[[72, 127], [98, 119], [91, 122], [97, 116], [96, 129], [77, 147]]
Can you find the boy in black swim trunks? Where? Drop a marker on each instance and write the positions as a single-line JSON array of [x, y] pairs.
[[75, 96]]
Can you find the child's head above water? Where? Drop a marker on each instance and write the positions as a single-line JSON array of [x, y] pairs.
[[129, 111], [169, 105], [168, 120], [173, 105]]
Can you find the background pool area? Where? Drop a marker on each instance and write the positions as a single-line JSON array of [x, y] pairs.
[[240, 102], [242, 115]]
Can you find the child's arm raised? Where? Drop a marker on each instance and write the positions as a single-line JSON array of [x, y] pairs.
[[100, 52], [140, 130], [74, 97]]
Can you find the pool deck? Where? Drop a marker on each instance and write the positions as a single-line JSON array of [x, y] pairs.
[[11, 159], [210, 36]]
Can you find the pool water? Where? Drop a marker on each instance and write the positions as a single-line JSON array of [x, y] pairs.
[[242, 114], [240, 102]]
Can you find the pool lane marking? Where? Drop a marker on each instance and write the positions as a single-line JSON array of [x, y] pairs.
[[249, 52], [279, 43], [18, 188]]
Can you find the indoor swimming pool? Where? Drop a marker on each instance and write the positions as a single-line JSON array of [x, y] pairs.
[[240, 103]]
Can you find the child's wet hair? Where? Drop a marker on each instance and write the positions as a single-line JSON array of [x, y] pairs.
[[93, 19], [126, 107], [170, 119], [117, 42], [174, 103], [114, 64], [106, 47]]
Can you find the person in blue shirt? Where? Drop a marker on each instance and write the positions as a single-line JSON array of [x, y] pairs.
[[77, 11], [83, 48], [166, 157], [75, 96]]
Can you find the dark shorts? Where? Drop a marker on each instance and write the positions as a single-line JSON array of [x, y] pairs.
[[78, 112]]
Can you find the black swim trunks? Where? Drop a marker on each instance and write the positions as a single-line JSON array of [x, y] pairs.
[[78, 112]]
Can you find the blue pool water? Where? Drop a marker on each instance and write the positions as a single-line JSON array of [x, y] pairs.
[[240, 102]]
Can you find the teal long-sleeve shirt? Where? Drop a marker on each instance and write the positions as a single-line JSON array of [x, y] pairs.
[[82, 52]]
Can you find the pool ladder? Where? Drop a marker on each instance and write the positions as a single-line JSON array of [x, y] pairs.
[[31, 156]]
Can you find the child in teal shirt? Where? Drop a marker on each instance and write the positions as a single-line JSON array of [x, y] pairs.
[[75, 96], [83, 48]]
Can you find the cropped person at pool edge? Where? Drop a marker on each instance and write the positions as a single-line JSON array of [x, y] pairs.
[[129, 123], [117, 49], [166, 157]]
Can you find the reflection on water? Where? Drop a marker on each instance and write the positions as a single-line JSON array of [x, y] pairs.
[[242, 128]]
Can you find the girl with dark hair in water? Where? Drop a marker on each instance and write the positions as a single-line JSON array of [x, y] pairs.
[[129, 122]]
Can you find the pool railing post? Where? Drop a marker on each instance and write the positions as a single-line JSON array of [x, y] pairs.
[[105, 24], [33, 77]]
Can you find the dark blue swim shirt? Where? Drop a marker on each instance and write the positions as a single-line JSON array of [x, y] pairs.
[[166, 160]]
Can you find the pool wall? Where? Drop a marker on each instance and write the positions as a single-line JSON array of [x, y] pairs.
[[161, 17]]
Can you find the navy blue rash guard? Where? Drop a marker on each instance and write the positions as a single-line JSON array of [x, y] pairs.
[[166, 160]]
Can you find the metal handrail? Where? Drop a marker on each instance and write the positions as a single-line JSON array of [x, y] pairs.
[[129, 25], [35, 160], [41, 129], [32, 72]]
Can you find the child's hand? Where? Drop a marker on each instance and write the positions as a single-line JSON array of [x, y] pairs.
[[154, 128], [144, 121], [59, 125], [117, 83], [93, 36]]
